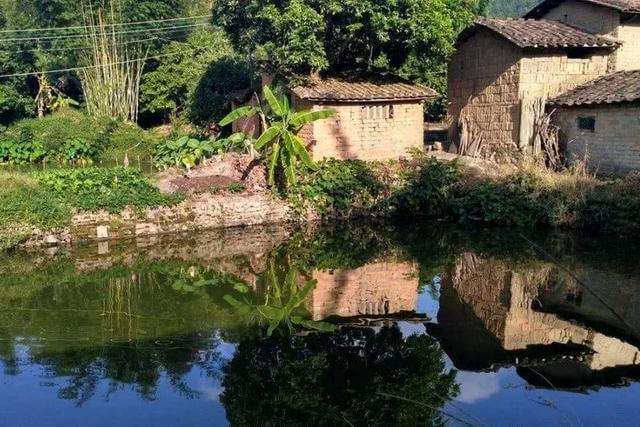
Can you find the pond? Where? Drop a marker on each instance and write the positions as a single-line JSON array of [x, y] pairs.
[[370, 324]]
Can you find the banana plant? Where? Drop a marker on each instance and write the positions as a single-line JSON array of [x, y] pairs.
[[282, 146]]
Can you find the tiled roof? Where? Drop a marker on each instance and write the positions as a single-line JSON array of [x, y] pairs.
[[627, 6], [363, 88], [526, 33], [620, 87]]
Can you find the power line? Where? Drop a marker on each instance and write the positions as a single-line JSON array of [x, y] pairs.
[[64, 70], [82, 27], [84, 46], [81, 36]]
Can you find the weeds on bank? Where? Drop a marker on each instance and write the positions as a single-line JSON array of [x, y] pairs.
[[530, 196], [110, 189]]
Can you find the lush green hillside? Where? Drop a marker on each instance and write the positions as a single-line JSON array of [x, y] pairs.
[[510, 8]]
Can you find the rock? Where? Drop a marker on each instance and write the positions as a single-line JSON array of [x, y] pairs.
[[437, 146], [51, 240]]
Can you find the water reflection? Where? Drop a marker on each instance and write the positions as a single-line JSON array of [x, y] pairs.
[[370, 325]]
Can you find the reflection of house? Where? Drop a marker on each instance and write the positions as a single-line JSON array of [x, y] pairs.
[[505, 70], [379, 289], [487, 317], [376, 118]]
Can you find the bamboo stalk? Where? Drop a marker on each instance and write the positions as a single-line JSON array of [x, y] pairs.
[[112, 83]]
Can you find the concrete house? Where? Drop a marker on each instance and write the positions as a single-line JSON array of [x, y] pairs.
[[504, 71], [502, 68], [600, 122], [378, 117]]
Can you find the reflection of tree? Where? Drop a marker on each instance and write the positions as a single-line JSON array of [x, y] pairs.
[[136, 365], [282, 292], [338, 378]]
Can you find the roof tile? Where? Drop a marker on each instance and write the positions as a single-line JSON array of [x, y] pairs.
[[526, 33], [620, 87], [628, 6], [363, 88]]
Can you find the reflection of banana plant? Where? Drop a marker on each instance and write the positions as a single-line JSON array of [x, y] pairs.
[[191, 279], [282, 301]]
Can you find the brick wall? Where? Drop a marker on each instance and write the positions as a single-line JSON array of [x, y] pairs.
[[604, 21], [547, 74], [593, 18], [614, 147], [628, 56], [377, 289], [372, 131], [484, 76]]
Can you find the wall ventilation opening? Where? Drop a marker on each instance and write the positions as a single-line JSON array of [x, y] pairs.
[[587, 124]]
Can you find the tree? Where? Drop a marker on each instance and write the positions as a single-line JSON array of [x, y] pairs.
[[510, 8], [411, 38], [196, 80], [284, 148]]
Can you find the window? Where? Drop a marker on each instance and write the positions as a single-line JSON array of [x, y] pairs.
[[587, 124], [578, 54], [372, 112]]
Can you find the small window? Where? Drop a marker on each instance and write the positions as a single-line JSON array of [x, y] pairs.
[[374, 112], [578, 53], [587, 124]]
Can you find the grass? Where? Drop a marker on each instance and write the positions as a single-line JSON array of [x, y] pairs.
[[24, 205], [45, 200]]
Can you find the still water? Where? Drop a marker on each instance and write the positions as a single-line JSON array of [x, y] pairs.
[[374, 325]]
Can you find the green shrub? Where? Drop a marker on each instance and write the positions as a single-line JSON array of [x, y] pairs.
[[110, 189], [120, 139], [338, 186], [184, 152], [70, 135], [427, 188], [24, 203]]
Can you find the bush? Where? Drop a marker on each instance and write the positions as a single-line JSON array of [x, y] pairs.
[[110, 189], [427, 188], [24, 204], [338, 186], [70, 135]]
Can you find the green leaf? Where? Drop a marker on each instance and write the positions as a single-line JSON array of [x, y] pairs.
[[301, 151], [310, 116], [267, 136], [238, 114], [273, 162], [273, 101]]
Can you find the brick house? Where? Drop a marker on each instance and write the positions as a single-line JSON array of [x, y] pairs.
[[600, 122], [502, 67], [378, 117], [504, 71]]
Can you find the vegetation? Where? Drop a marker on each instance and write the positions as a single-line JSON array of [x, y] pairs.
[[23, 205], [300, 37], [510, 8], [283, 147], [194, 82], [111, 189], [528, 198], [71, 135], [113, 68]]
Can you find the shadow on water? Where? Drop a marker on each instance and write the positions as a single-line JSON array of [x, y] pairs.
[[382, 324]]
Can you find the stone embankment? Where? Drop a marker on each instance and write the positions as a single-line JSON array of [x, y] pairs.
[[197, 213]]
